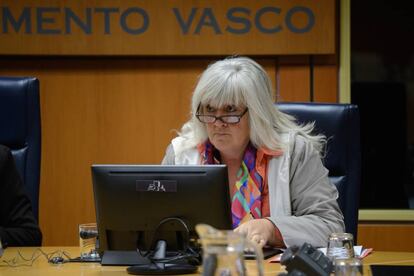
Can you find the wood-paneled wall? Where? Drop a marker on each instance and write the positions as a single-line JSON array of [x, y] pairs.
[[383, 236], [124, 110]]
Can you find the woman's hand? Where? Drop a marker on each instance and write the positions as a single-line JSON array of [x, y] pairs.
[[261, 231]]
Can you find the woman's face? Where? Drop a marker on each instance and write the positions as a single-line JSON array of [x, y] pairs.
[[227, 135]]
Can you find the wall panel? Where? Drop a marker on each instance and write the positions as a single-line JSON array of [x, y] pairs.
[[325, 83], [293, 79]]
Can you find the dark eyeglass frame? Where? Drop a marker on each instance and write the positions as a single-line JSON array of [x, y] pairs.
[[222, 118]]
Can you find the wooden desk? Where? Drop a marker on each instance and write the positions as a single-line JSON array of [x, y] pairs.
[[387, 258], [41, 267]]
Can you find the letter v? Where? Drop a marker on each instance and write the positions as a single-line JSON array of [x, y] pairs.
[[185, 26]]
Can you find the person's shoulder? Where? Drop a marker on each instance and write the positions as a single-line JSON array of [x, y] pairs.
[[300, 140], [182, 143], [299, 144], [169, 156], [4, 149], [294, 139], [4, 153], [4, 158], [178, 147], [178, 140]]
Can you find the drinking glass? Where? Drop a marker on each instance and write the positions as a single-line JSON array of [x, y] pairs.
[[340, 246], [348, 267], [88, 237]]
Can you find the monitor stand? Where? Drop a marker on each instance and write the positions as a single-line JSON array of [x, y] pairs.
[[131, 257], [161, 268]]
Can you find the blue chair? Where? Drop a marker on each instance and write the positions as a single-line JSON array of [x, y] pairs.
[[340, 124], [20, 130]]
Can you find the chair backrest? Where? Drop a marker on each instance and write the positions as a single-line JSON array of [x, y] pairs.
[[20, 130], [340, 124]]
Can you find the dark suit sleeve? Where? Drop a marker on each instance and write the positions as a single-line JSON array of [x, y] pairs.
[[18, 227]]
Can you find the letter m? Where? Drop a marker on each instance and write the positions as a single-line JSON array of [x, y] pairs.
[[24, 18]]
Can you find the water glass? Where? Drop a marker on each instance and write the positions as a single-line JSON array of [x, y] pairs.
[[340, 246], [348, 267], [88, 238]]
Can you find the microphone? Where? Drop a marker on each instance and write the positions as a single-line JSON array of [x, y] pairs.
[[88, 234]]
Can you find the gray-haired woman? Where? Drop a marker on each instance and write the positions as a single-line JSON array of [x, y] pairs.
[[280, 191]]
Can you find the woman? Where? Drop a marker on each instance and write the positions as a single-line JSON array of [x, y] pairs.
[[280, 191]]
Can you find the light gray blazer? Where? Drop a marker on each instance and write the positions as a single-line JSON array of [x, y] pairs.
[[302, 199]]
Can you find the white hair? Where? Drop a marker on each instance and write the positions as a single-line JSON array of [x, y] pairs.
[[241, 81]]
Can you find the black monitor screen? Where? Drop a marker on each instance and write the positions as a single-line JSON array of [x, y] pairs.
[[131, 201]]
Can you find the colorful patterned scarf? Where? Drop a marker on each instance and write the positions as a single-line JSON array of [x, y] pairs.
[[247, 198]]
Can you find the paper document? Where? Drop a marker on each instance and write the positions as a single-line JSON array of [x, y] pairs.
[[359, 251]]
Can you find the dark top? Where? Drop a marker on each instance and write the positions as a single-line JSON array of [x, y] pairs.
[[18, 227]]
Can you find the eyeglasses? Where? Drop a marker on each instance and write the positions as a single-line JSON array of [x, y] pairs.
[[227, 119]]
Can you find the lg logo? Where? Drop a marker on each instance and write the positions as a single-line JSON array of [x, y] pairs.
[[156, 186]]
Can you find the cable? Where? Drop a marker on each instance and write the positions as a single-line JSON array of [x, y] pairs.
[[164, 221], [55, 257], [188, 254]]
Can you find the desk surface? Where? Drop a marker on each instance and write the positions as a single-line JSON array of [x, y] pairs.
[[41, 267]]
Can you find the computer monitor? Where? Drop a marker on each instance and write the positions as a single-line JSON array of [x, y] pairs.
[[132, 200]]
